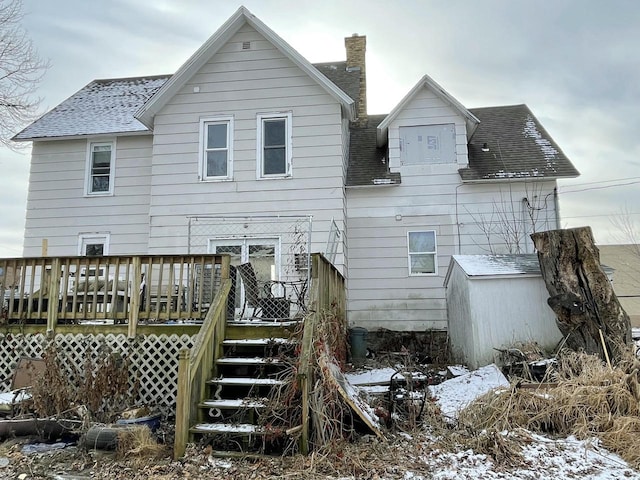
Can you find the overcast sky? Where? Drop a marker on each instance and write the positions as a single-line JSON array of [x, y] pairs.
[[575, 63]]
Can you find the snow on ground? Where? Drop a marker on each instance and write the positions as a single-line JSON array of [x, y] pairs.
[[544, 459], [455, 394]]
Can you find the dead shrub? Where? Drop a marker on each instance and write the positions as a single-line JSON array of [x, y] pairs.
[[101, 385], [54, 391]]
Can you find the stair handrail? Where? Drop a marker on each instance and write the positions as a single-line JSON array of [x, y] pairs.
[[196, 364]]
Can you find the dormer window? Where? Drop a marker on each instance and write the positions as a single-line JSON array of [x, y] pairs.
[[428, 144]]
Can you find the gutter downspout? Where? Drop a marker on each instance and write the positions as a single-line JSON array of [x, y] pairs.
[[556, 203]]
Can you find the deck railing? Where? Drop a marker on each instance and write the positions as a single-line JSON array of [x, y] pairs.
[[118, 289]]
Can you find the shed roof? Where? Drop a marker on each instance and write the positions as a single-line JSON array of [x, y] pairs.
[[510, 143], [486, 265], [479, 266]]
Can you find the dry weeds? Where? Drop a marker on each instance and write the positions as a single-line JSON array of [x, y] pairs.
[[139, 444], [588, 399]]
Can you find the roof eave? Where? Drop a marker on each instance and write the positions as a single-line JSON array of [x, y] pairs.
[[471, 120], [532, 178], [146, 113], [129, 133]]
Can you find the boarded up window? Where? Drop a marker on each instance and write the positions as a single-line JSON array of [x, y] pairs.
[[428, 144]]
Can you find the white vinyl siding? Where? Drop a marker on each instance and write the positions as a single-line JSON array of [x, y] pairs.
[[431, 197], [273, 151], [216, 148], [59, 210], [100, 170], [422, 253]]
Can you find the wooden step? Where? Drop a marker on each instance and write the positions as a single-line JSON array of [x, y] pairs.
[[247, 381], [241, 429], [257, 342], [248, 361], [235, 403], [239, 330]]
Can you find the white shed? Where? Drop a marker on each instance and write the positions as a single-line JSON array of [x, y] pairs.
[[496, 301]]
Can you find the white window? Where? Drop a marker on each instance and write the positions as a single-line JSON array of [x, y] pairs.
[[428, 144], [274, 145], [216, 148], [93, 245], [100, 168], [422, 252]]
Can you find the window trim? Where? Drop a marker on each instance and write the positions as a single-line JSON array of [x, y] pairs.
[[202, 150], [112, 167], [434, 253], [103, 238], [260, 118]]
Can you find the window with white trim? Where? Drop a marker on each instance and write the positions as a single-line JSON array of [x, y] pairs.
[[274, 145], [216, 148], [100, 168], [93, 245], [422, 252]]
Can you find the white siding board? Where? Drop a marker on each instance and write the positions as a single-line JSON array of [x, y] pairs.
[[58, 210], [301, 111]]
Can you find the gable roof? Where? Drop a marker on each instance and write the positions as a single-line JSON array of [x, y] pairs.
[[426, 82], [102, 107], [146, 113], [368, 163], [518, 147]]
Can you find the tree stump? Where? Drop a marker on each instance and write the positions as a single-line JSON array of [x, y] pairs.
[[587, 309]]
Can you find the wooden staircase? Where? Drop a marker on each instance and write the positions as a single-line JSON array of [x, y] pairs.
[[245, 387], [244, 402]]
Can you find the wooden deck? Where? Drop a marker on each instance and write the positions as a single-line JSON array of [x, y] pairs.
[[109, 293]]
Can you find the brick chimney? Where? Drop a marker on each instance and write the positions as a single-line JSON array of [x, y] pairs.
[[356, 46]]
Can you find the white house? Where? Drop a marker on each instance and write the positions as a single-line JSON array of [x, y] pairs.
[[248, 131]]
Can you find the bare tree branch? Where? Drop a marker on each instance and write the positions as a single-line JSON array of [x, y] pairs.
[[21, 70]]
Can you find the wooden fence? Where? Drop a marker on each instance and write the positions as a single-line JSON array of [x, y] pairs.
[[118, 289]]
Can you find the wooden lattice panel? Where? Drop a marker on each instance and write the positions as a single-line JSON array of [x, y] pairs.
[[153, 360]]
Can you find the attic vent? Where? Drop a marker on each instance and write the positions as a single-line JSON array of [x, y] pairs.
[[246, 45]]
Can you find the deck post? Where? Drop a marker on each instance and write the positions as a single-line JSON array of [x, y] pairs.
[[183, 404], [136, 291], [53, 294]]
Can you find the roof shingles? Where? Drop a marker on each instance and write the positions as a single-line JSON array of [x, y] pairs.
[[510, 143], [367, 162], [102, 107]]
